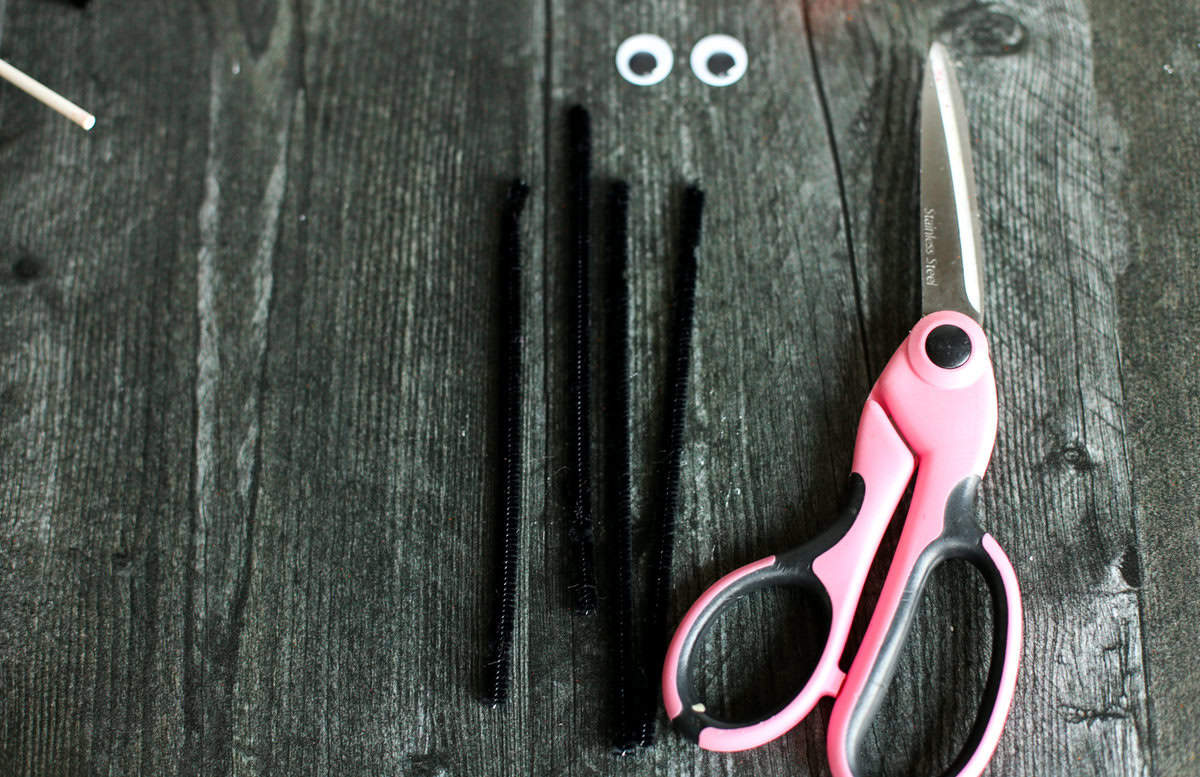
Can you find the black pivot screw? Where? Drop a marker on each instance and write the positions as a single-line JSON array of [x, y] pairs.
[[948, 346]]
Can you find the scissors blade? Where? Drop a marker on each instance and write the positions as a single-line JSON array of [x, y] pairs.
[[951, 253]]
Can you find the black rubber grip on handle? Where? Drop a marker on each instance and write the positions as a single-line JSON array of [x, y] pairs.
[[793, 568], [961, 538]]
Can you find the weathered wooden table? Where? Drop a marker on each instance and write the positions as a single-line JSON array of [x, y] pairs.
[[247, 363]]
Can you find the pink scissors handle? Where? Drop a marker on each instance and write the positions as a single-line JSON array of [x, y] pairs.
[[833, 566], [871, 672], [934, 409]]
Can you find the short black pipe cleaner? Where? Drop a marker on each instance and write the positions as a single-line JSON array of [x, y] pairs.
[[579, 162], [499, 656], [678, 363]]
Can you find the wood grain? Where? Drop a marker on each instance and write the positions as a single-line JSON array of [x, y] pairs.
[[247, 368], [1148, 71]]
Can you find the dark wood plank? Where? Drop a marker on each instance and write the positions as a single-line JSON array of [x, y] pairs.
[[98, 365], [773, 399], [778, 379], [248, 399], [1058, 494], [1148, 72], [376, 482]]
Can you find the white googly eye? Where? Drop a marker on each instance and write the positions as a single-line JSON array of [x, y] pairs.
[[644, 59], [719, 60]]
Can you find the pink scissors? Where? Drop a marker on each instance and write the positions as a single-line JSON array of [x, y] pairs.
[[933, 409]]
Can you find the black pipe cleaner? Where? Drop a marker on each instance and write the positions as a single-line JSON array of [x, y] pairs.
[[499, 657], [581, 560], [678, 363]]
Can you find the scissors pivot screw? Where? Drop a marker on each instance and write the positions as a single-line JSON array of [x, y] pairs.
[[948, 346]]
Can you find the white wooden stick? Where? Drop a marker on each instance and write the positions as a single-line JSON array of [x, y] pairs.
[[47, 96]]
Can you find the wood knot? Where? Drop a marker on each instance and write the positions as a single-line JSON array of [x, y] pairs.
[[1090, 715], [10, 394], [1073, 455], [427, 765], [983, 29], [1131, 567], [26, 269]]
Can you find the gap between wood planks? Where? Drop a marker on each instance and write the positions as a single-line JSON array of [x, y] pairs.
[[827, 121]]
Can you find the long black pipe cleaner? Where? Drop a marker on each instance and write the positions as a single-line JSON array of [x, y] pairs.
[[678, 363], [628, 681], [499, 654], [582, 552]]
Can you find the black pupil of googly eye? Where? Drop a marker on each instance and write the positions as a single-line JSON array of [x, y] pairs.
[[720, 64], [643, 63]]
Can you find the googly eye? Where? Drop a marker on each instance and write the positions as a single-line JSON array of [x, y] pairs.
[[719, 60], [644, 59]]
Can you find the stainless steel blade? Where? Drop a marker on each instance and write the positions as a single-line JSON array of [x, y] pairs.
[[951, 253]]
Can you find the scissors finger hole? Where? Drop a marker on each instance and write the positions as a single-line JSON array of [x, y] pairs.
[[928, 710], [759, 652]]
